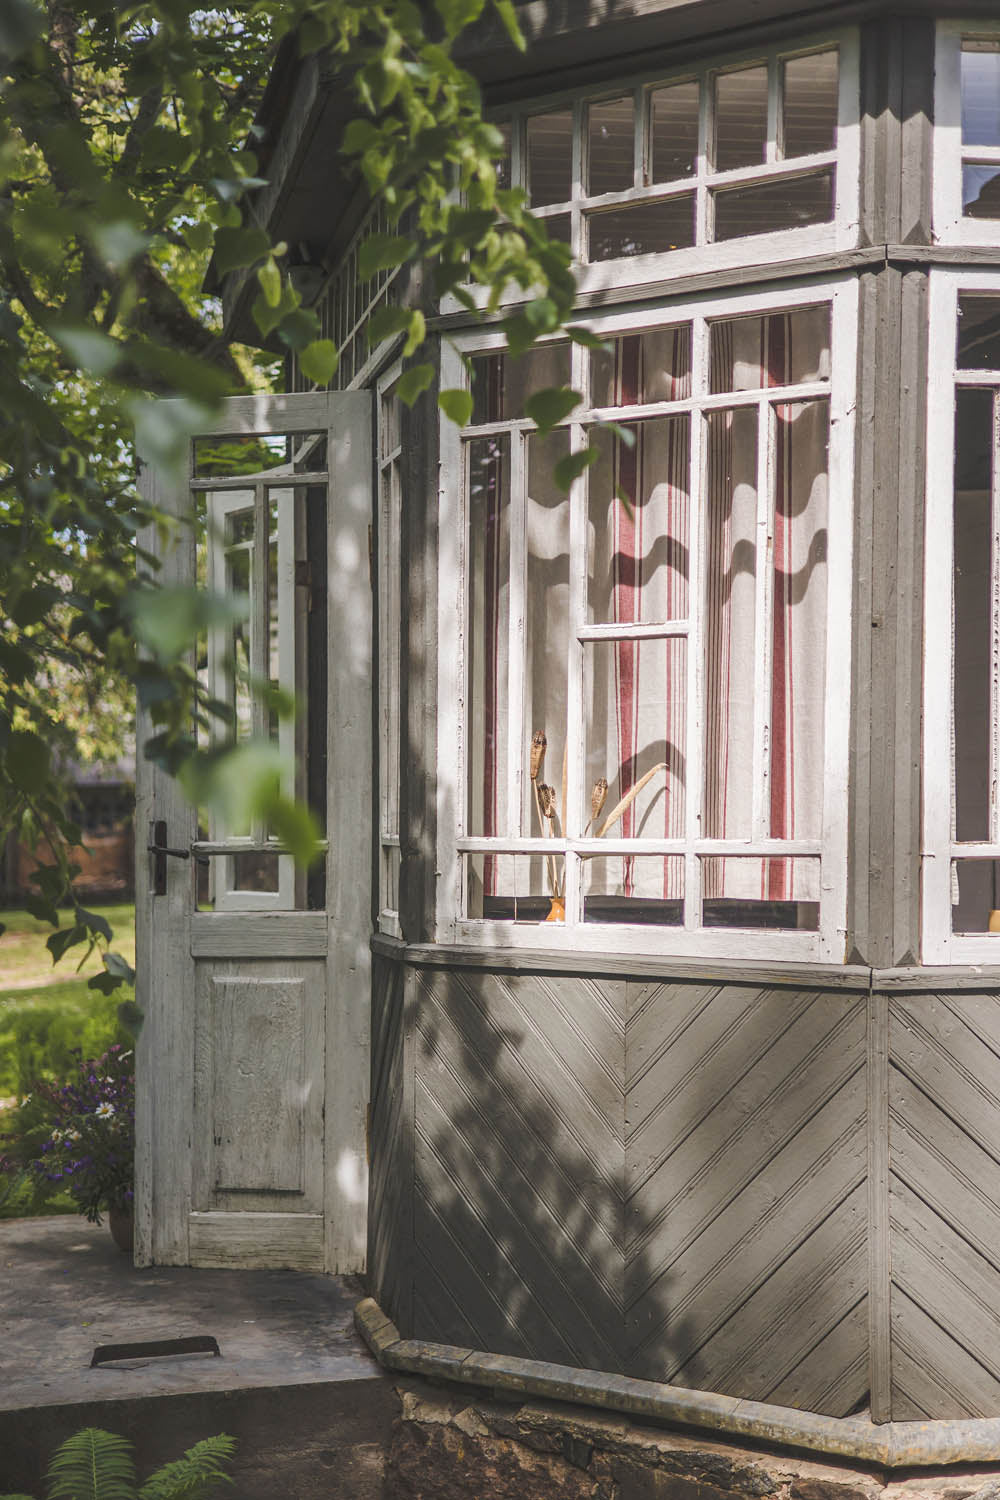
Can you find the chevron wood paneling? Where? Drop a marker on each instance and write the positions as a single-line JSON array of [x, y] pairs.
[[519, 1164], [746, 1242], [944, 1152]]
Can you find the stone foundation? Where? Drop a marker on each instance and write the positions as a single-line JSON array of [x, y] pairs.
[[446, 1447]]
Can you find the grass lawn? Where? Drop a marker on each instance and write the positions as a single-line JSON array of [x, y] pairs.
[[26, 963]]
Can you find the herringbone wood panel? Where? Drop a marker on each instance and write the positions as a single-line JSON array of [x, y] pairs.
[[391, 1169], [746, 1245], [944, 1145]]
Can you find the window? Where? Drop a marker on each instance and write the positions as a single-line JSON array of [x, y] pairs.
[[640, 688], [759, 145], [962, 676], [967, 134], [389, 647]]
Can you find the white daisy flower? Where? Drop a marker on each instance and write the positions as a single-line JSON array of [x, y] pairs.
[[57, 1135], [104, 1110], [73, 1135]]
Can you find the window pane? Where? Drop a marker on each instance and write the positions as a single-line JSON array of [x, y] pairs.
[[980, 94], [636, 698], [642, 228], [255, 872], [653, 366], [673, 132], [973, 609], [775, 893], [488, 627], [550, 156], [798, 638], [809, 101], [559, 227], [644, 889], [546, 630], [740, 118], [978, 333], [503, 164], [752, 353], [730, 621], [786, 204], [240, 455], [611, 145], [639, 511], [514, 887], [501, 385], [975, 895], [981, 192]]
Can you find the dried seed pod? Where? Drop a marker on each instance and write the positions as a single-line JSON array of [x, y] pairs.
[[598, 797], [547, 800], [538, 744]]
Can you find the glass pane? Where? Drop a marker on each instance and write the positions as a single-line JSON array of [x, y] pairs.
[[255, 872], [978, 333], [809, 101], [730, 621], [639, 512], [653, 366], [673, 132], [740, 118], [634, 888], [745, 892], [546, 636], [503, 163], [240, 455], [975, 895], [764, 207], [515, 887], [390, 878], [642, 228], [611, 145], [785, 348], [238, 566], [559, 227], [981, 192], [980, 94], [550, 156], [798, 640], [635, 694], [501, 385], [488, 625], [973, 609]]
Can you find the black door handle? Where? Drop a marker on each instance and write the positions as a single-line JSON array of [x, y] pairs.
[[158, 848]]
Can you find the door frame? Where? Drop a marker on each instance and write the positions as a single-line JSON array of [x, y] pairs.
[[171, 936]]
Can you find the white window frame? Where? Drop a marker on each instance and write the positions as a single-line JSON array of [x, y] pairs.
[[389, 663], [940, 945], [828, 944], [840, 233], [951, 227]]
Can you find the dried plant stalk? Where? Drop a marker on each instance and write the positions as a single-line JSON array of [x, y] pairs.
[[547, 800], [626, 802], [538, 744], [598, 797]]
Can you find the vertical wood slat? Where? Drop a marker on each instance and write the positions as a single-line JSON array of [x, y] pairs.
[[879, 1278]]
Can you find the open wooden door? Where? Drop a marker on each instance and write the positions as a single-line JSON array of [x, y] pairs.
[[253, 976]]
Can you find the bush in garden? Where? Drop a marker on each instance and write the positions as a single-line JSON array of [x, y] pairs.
[[78, 1136]]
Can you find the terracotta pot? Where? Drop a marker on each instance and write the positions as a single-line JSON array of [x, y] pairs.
[[120, 1224]]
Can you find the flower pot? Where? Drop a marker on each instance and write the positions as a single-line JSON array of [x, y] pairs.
[[120, 1224], [557, 911]]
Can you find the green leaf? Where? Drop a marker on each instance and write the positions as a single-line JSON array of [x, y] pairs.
[[20, 23], [94, 922], [167, 620], [106, 983], [457, 14], [585, 337], [386, 322], [196, 1475], [270, 282], [199, 236], [239, 247], [382, 252], [92, 1465], [417, 333], [67, 937], [87, 348], [131, 1017], [298, 328], [34, 604], [508, 15], [625, 435], [119, 966], [572, 465], [457, 406], [27, 761], [16, 664], [318, 361], [119, 242], [413, 383], [549, 407], [42, 909], [266, 317]]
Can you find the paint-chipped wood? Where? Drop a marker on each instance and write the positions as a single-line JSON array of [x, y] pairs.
[[257, 1241]]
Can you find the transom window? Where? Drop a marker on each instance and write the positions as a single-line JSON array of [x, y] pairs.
[[671, 164], [637, 678]]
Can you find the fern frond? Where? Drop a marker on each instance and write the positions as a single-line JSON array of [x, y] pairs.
[[17, 1497], [194, 1476], [92, 1465]]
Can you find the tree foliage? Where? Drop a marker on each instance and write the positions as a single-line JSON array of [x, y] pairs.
[[125, 166]]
